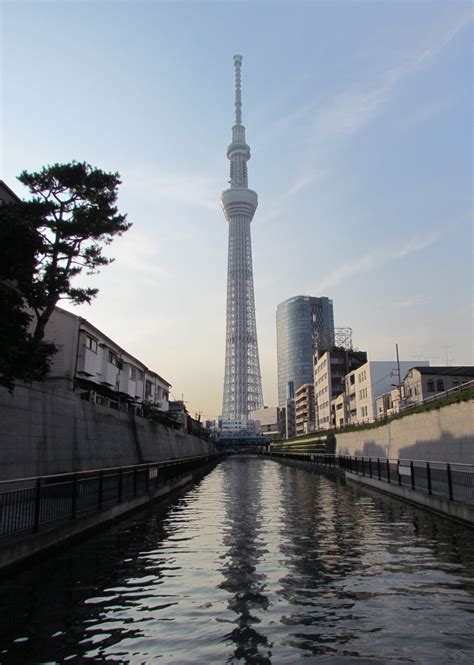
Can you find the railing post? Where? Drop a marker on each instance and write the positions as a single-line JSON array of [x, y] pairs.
[[450, 482], [36, 515], [378, 468], [74, 497], [428, 477], [388, 471], [120, 485], [370, 467], [135, 479], [412, 474], [398, 472], [356, 465], [147, 479], [101, 488], [363, 466], [156, 477]]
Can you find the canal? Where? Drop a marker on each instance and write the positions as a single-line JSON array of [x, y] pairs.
[[257, 563]]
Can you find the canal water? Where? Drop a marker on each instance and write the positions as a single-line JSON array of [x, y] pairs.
[[257, 563]]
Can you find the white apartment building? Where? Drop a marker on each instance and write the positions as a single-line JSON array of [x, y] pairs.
[[93, 365], [240, 426], [330, 370], [365, 384], [269, 421]]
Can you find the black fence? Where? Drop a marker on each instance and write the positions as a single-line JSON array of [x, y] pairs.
[[451, 481], [28, 504]]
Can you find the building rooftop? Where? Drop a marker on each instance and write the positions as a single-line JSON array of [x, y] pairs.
[[83, 321], [459, 370]]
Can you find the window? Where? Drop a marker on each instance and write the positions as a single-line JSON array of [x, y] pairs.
[[431, 387], [91, 344], [113, 359], [455, 383], [148, 389], [133, 373], [439, 385]]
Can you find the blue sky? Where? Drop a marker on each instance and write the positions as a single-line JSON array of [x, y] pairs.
[[359, 119]]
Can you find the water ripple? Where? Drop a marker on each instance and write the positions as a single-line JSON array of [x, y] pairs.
[[257, 563]]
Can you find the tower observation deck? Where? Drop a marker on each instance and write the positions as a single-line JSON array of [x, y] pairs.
[[242, 380]]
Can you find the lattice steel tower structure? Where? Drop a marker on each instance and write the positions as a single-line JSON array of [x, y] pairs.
[[242, 381]]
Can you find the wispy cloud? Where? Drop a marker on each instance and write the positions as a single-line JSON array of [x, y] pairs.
[[375, 259], [351, 109], [192, 189], [411, 301], [303, 182], [416, 244]]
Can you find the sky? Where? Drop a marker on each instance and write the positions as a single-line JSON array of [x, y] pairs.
[[359, 119]]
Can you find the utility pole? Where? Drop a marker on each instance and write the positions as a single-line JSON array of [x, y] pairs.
[[399, 380]]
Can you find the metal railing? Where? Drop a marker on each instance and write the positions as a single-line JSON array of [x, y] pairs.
[[27, 504], [448, 480]]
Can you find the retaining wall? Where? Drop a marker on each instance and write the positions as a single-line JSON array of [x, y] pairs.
[[445, 435], [47, 430], [461, 512]]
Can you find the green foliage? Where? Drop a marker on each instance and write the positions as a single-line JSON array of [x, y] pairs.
[[44, 244], [21, 357], [152, 412]]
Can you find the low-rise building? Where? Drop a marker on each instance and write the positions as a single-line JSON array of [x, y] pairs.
[[269, 421], [304, 408], [7, 195], [369, 381], [340, 410], [422, 382], [241, 426], [97, 368]]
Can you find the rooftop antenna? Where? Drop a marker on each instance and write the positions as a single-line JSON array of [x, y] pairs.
[[446, 347], [238, 95]]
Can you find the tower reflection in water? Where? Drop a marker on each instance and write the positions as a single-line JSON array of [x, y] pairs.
[[245, 545]]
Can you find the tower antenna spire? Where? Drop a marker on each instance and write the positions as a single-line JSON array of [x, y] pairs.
[[238, 95]]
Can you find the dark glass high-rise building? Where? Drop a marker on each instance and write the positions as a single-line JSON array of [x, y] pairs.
[[305, 326]]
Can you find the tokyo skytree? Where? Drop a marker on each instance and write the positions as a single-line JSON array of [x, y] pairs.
[[242, 380]]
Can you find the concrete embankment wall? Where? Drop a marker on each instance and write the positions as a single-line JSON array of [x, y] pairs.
[[26, 545], [46, 430], [445, 434], [462, 512]]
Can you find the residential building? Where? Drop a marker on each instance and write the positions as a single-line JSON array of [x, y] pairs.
[[422, 382], [304, 406], [238, 427], [340, 410], [305, 327], [97, 368], [289, 413], [7, 195], [270, 421], [330, 370], [369, 381]]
